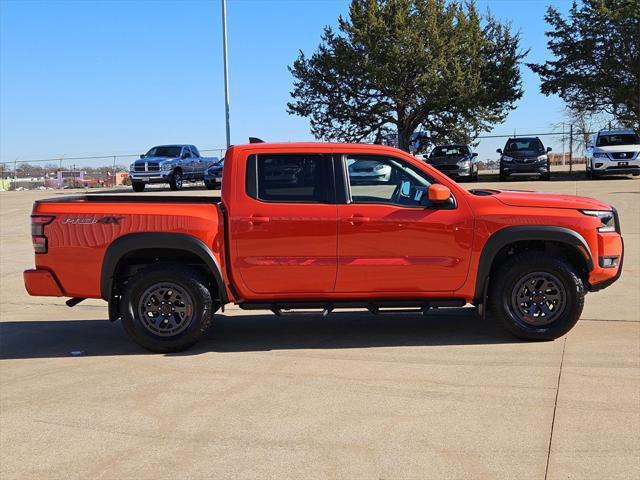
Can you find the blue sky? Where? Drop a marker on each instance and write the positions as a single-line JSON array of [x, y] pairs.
[[116, 77]]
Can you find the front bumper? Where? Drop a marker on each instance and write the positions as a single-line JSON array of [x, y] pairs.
[[453, 171], [150, 177], [213, 178], [608, 167], [41, 283], [525, 168], [610, 247]]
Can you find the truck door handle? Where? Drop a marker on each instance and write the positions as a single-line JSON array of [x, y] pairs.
[[253, 219], [358, 219]]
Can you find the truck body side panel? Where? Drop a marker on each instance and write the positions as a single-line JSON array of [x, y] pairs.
[[82, 231]]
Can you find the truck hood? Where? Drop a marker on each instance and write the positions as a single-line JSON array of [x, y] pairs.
[[618, 148], [522, 198]]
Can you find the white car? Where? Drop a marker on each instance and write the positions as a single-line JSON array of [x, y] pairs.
[[614, 152], [369, 171]]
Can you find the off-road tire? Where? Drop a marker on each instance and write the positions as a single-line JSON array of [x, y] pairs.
[[209, 185], [176, 181], [509, 276], [191, 282], [503, 176], [138, 186]]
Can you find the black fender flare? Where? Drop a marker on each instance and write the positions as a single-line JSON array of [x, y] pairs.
[[507, 235], [146, 240]]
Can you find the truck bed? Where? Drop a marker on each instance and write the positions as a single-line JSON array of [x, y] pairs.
[[83, 227]]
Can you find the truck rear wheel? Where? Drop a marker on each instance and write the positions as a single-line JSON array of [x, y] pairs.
[[138, 186], [166, 308], [536, 296]]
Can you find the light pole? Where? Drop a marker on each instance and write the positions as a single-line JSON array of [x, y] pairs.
[[226, 72]]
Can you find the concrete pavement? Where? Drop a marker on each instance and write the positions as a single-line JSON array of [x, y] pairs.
[[348, 396]]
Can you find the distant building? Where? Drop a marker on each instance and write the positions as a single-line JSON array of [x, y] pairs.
[[66, 177], [563, 159]]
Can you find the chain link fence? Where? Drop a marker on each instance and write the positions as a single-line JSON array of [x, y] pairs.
[[568, 155], [72, 171]]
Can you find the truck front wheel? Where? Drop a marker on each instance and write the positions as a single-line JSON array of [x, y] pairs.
[[166, 308], [138, 186], [536, 296]]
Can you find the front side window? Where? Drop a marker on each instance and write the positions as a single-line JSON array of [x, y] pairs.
[[195, 151], [187, 152], [380, 179], [300, 178]]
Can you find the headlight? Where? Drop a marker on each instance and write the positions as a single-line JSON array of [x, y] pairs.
[[166, 166], [506, 158], [600, 155], [543, 158], [464, 164], [606, 217], [132, 166]]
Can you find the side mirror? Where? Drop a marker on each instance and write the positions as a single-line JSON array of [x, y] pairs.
[[438, 193], [499, 150], [142, 155], [549, 149]]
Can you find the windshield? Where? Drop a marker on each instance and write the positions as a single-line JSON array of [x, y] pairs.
[[618, 139], [524, 144], [164, 152], [450, 151]]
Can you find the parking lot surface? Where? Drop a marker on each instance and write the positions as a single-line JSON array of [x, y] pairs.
[[348, 396]]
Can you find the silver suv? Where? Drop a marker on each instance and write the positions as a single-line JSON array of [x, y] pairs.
[[172, 164], [614, 152]]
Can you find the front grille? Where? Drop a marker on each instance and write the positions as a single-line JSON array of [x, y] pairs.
[[146, 167], [622, 155], [525, 160], [447, 168]]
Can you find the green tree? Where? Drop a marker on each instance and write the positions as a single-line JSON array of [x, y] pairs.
[[596, 67], [406, 65]]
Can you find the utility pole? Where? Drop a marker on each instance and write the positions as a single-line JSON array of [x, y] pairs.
[[226, 72], [571, 148], [563, 159]]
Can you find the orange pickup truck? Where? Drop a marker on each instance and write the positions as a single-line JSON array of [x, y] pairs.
[[304, 226]]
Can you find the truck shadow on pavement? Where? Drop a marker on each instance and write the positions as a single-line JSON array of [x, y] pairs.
[[251, 333]]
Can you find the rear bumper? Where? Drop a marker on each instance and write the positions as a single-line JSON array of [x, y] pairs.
[[41, 283]]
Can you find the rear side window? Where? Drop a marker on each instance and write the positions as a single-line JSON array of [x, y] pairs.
[[299, 178]]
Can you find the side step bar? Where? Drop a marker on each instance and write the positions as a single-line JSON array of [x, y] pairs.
[[377, 307]]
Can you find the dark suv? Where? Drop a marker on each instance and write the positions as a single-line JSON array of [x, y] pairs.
[[524, 156]]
